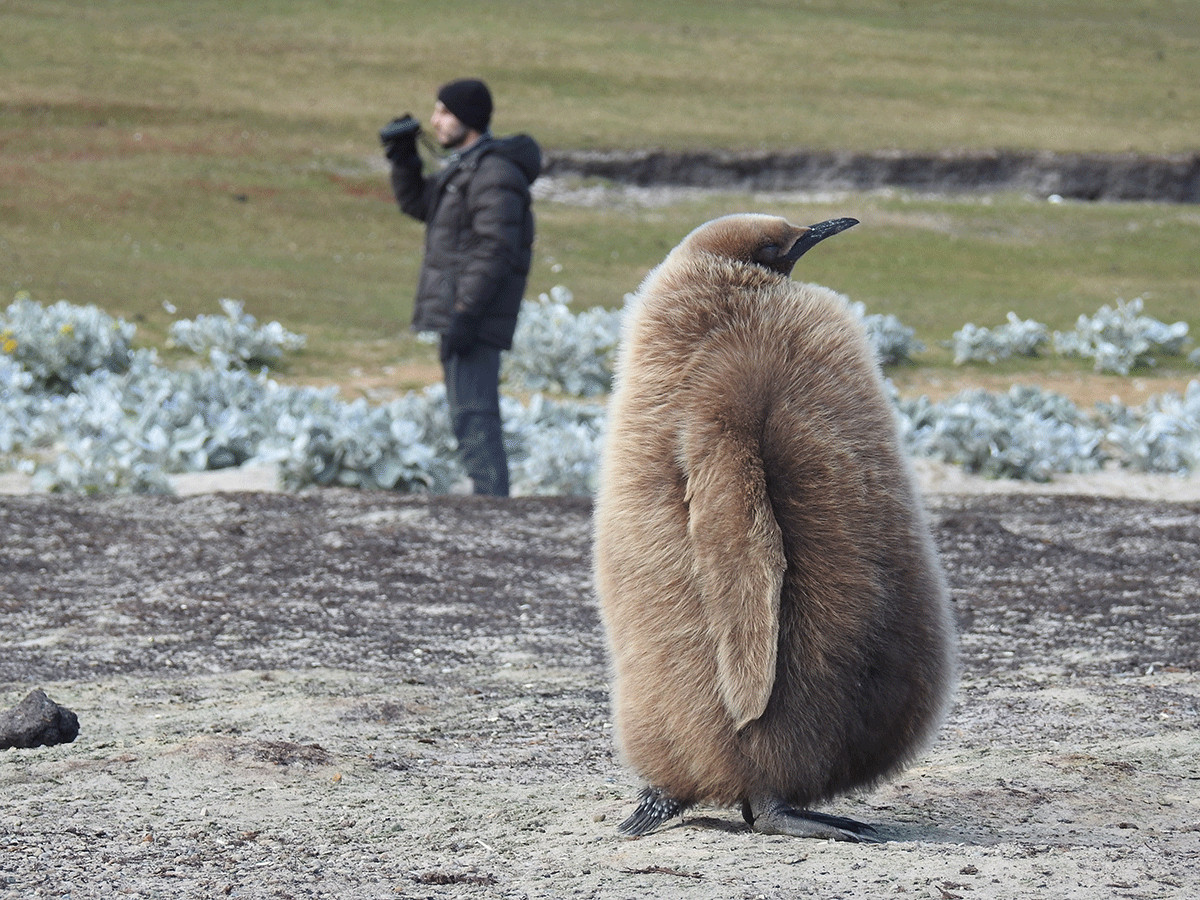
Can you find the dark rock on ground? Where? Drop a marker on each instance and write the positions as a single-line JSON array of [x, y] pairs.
[[37, 721]]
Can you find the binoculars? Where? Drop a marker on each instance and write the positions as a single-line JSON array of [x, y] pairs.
[[404, 127]]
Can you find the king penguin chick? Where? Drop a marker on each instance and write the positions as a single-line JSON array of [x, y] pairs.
[[777, 618]]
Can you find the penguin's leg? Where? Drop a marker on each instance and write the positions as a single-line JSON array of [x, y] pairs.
[[768, 814], [654, 808]]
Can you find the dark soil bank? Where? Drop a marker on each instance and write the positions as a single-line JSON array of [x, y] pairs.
[[346, 579], [1172, 179]]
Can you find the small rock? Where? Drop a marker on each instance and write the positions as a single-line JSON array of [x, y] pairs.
[[37, 721]]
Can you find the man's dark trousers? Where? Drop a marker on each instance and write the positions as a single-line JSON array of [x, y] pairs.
[[473, 392]]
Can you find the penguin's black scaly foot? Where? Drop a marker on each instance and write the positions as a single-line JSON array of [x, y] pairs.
[[654, 807], [770, 815]]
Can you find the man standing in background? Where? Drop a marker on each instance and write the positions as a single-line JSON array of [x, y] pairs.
[[478, 246]]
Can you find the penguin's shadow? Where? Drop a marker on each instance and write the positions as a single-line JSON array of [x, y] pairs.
[[888, 833]]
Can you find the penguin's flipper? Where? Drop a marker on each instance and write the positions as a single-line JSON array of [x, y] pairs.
[[737, 547], [654, 808]]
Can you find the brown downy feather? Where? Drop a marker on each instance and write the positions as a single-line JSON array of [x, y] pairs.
[[776, 614]]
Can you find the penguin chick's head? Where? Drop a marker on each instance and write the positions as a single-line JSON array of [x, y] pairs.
[[768, 241]]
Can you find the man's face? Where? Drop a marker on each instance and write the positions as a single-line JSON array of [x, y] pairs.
[[448, 130]]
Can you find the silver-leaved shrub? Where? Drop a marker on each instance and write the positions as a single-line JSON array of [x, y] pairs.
[[557, 350], [1017, 337], [553, 445], [893, 341], [1024, 433], [234, 339], [57, 344], [1161, 435], [1121, 338]]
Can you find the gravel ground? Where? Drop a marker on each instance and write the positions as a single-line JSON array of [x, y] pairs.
[[361, 695]]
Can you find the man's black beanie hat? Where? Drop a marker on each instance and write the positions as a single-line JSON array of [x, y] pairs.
[[470, 101]]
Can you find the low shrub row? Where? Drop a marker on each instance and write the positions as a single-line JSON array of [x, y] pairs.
[[82, 411]]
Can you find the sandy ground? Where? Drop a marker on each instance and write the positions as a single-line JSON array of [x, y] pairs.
[[935, 478], [338, 694]]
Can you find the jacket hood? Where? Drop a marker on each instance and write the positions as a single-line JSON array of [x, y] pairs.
[[523, 151]]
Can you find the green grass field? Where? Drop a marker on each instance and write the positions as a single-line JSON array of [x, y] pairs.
[[179, 152]]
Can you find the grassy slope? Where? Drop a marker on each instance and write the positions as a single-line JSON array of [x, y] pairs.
[[183, 151]]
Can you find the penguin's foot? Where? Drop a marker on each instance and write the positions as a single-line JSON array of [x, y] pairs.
[[654, 808], [770, 815]]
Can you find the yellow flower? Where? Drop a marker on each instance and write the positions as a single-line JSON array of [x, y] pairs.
[[67, 328], [10, 345]]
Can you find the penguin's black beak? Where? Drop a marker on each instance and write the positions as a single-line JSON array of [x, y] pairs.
[[816, 234]]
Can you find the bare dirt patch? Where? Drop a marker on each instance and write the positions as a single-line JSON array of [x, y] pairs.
[[342, 694]]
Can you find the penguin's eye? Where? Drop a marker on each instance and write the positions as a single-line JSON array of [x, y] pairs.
[[767, 255]]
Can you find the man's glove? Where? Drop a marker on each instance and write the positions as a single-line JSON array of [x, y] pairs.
[[460, 337], [399, 138]]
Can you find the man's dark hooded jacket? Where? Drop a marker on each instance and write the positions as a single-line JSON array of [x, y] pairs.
[[478, 237]]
